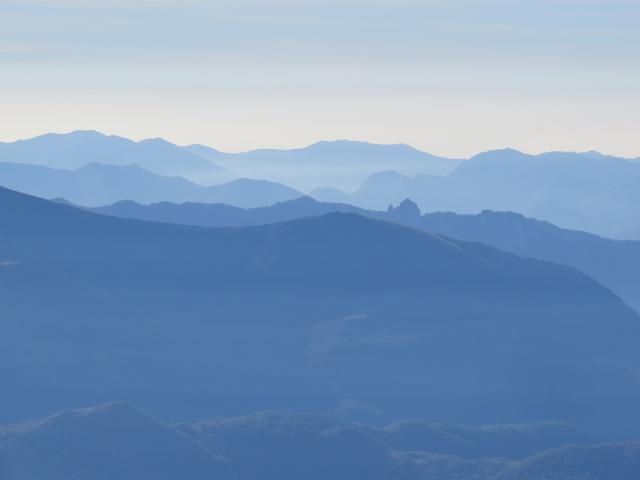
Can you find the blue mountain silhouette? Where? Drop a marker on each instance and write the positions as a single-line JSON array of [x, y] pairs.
[[76, 149], [96, 184], [307, 312]]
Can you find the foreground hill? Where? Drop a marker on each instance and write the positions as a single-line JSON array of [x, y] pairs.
[[73, 150], [95, 184], [119, 441], [308, 313], [104, 442], [597, 462]]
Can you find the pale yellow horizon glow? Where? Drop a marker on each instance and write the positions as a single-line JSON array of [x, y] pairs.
[[450, 78], [446, 127]]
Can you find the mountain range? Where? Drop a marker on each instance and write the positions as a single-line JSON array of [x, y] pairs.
[[598, 194], [343, 164], [586, 191], [614, 263], [79, 148], [96, 184], [304, 314], [172, 278], [119, 441]]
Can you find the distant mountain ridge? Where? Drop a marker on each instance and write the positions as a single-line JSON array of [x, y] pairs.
[[96, 184], [587, 191], [79, 148], [599, 195], [342, 163]]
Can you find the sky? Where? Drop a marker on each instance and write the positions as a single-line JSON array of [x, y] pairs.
[[451, 77]]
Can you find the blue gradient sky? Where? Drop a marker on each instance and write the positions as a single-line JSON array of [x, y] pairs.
[[451, 77]]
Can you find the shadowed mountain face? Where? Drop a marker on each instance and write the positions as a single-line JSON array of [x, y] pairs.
[[343, 164], [597, 462], [96, 184], [277, 445], [599, 195], [506, 441], [77, 149], [307, 313], [615, 263], [118, 441], [592, 462]]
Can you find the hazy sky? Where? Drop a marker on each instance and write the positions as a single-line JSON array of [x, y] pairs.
[[451, 77]]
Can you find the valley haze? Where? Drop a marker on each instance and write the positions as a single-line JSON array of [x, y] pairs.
[[319, 240]]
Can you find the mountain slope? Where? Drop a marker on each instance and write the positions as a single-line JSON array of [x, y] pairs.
[[287, 446], [307, 313], [596, 462], [614, 263], [105, 442], [500, 441], [58, 334], [95, 184]]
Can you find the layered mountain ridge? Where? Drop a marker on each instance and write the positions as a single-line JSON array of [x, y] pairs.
[[313, 311]]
